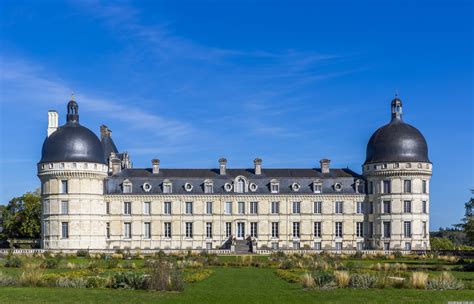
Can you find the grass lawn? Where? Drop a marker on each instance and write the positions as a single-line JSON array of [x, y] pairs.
[[232, 285]]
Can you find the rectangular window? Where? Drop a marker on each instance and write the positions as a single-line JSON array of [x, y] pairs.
[[424, 207], [387, 207], [208, 207], [407, 206], [209, 230], [317, 229], [296, 229], [189, 230], [371, 207], [360, 229], [208, 188], [296, 207], [360, 207], [167, 208], [46, 207], [228, 229], [254, 229], [387, 187], [318, 188], [127, 188], [339, 207], [107, 230], [338, 245], [371, 188], [65, 230], [228, 208], [371, 229], [127, 230], [318, 207], [275, 230], [386, 246], [189, 207], [147, 232], [425, 229], [407, 229], [296, 245], [254, 207], [208, 246], [408, 246], [167, 230], [147, 208], [167, 188], [127, 208], [407, 186], [241, 207], [387, 229], [63, 187], [275, 207], [338, 229], [107, 207], [64, 207], [424, 188], [317, 245], [275, 187], [275, 246]]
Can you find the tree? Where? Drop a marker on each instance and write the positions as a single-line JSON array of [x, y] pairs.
[[468, 221], [21, 217]]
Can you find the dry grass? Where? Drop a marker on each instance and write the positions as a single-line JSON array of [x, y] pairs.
[[307, 280], [419, 280], [342, 278]]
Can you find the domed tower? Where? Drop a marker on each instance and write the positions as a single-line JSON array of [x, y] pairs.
[[398, 172], [72, 170]]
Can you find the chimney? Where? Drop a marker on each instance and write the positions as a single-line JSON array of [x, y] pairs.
[[325, 165], [105, 131], [116, 166], [52, 122], [258, 166], [222, 166], [155, 166]]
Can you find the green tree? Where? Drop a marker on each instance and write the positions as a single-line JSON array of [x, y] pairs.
[[21, 217], [467, 224]]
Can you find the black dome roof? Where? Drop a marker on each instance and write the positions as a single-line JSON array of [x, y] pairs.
[[397, 141], [72, 142]]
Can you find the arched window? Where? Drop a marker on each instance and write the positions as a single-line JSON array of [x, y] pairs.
[[240, 185]]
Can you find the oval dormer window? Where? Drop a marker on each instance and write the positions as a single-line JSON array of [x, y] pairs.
[[253, 187], [227, 187], [146, 187], [295, 187], [188, 187], [338, 187]]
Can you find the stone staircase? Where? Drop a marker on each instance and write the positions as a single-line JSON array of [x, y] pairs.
[[242, 246]]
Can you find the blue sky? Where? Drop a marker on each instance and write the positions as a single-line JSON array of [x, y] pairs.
[[290, 82]]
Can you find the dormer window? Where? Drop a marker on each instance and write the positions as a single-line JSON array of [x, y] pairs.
[[253, 187], [127, 186], [208, 186], [167, 186], [188, 187], [295, 187], [274, 186], [338, 187], [228, 187], [317, 186], [146, 187], [239, 185]]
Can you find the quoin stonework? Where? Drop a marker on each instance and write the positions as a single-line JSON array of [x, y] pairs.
[[93, 198]]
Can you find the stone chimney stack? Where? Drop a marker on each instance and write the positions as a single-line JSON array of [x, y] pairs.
[[222, 166], [105, 131], [155, 166], [116, 166], [257, 166], [52, 122], [325, 165]]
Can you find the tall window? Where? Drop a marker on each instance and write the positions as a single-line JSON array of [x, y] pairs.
[[228, 208], [360, 229], [127, 208], [147, 208], [318, 187], [228, 229], [107, 207], [208, 207], [296, 229], [339, 207], [127, 188], [64, 207], [296, 207], [371, 229], [318, 207], [167, 230], [208, 188], [275, 207], [317, 229], [274, 187], [338, 229], [424, 188], [127, 230], [241, 207], [209, 230], [424, 207], [371, 207], [65, 230], [147, 232], [371, 188], [387, 207], [240, 186], [167, 187], [275, 230], [407, 186], [107, 230], [425, 229], [387, 187], [167, 208], [360, 207], [387, 229], [63, 187], [254, 229], [189, 230], [407, 206], [407, 229], [254, 207], [189, 207], [46, 207]]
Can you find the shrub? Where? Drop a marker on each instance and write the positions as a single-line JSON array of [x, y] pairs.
[[307, 281], [68, 282], [164, 276], [341, 278], [377, 266], [32, 277], [82, 253], [398, 254], [444, 282], [111, 263], [71, 266], [13, 261], [324, 279], [128, 280], [363, 281], [419, 280], [93, 265], [50, 263], [7, 280], [96, 282]]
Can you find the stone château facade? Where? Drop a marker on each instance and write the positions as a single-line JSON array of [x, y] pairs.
[[92, 198]]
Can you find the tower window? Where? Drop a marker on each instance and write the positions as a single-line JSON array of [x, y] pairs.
[[387, 207], [387, 229], [407, 206], [65, 230], [64, 207], [424, 188], [407, 186], [63, 187], [387, 187]]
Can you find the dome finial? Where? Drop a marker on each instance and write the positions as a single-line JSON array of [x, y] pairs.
[[396, 107], [72, 96]]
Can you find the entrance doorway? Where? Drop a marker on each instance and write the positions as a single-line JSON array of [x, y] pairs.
[[240, 230]]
